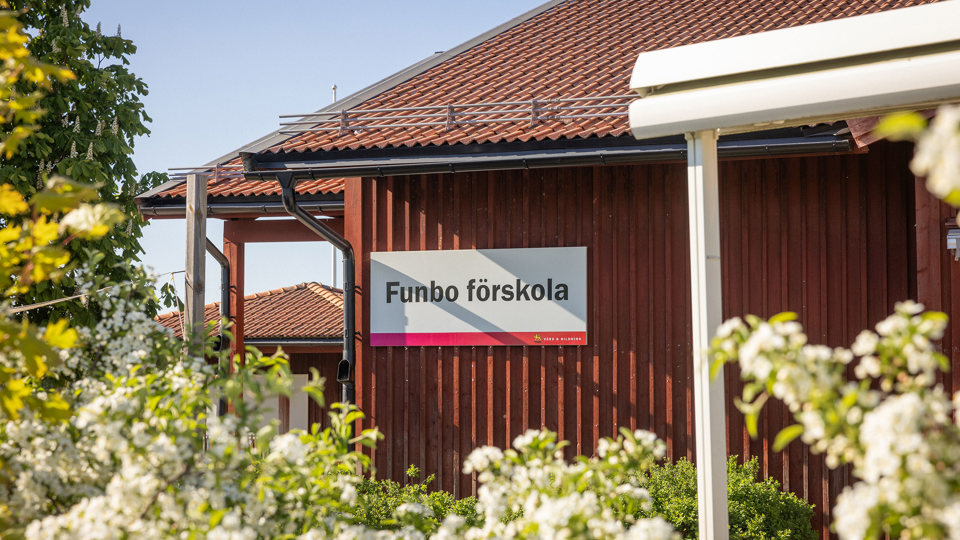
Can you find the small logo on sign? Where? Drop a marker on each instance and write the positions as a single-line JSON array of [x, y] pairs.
[[536, 338]]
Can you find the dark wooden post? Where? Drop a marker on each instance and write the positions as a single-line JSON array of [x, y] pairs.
[[196, 214], [234, 251]]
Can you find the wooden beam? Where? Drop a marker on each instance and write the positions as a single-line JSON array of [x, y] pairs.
[[234, 252], [196, 259], [304, 349], [275, 230]]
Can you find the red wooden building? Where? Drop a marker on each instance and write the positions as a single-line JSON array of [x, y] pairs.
[[519, 138]]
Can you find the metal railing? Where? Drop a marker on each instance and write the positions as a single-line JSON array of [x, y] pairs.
[[452, 115], [449, 116], [217, 172]]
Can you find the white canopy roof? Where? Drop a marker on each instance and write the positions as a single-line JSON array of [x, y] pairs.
[[845, 68]]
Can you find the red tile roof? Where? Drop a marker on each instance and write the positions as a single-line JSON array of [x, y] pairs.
[[236, 186], [575, 49], [304, 311]]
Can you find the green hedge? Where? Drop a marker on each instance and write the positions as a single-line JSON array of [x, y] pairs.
[[377, 500], [758, 509]]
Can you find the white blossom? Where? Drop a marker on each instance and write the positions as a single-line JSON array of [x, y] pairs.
[[938, 153]]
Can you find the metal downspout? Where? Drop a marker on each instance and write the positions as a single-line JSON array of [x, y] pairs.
[[345, 368], [224, 305]]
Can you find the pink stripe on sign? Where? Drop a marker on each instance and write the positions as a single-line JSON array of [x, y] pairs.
[[477, 338]]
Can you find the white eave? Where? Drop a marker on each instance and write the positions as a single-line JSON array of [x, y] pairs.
[[845, 68]]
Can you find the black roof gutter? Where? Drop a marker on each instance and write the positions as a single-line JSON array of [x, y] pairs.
[[538, 159], [266, 168], [225, 210]]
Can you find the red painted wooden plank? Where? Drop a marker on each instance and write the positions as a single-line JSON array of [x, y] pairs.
[[275, 230], [633, 306], [682, 343], [624, 253], [602, 361], [234, 252], [661, 408]]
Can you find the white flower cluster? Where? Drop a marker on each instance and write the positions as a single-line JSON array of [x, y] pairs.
[[892, 422], [938, 153], [140, 456], [550, 498]]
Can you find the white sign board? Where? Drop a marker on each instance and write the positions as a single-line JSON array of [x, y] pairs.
[[534, 296]]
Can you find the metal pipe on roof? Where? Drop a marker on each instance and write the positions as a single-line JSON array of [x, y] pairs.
[[345, 368], [546, 101], [355, 119]]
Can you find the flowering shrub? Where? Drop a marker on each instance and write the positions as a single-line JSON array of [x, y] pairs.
[[890, 420], [531, 492]]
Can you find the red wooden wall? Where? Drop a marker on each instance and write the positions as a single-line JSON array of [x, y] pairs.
[[828, 237]]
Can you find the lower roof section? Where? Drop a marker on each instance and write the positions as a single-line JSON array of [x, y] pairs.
[[303, 314]]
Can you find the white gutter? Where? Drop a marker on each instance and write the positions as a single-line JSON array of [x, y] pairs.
[[850, 67], [806, 98], [900, 59], [887, 31]]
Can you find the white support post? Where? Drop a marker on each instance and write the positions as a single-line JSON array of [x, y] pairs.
[[196, 258], [704, 209]]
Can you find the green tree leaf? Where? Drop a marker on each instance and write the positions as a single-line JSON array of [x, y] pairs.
[[786, 436]]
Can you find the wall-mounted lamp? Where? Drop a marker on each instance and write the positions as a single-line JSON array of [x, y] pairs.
[[953, 242]]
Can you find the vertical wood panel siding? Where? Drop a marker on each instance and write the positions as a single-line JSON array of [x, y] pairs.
[[435, 404], [829, 238]]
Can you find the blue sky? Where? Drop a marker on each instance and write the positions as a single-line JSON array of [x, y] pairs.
[[221, 72]]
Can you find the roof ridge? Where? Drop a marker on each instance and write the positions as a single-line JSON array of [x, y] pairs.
[[274, 292], [330, 294]]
